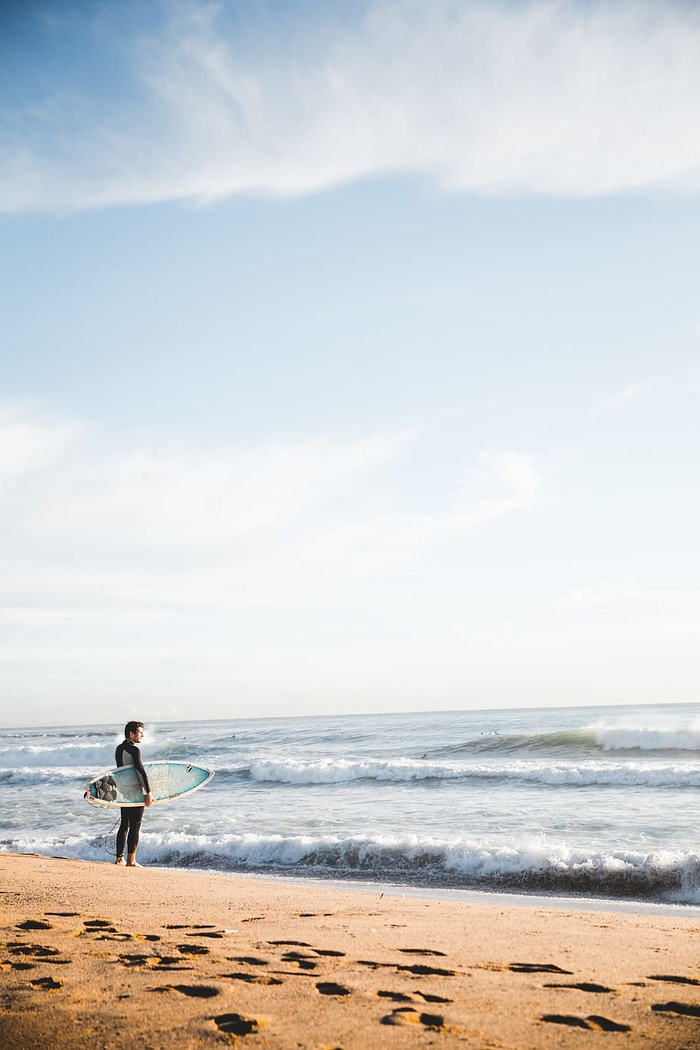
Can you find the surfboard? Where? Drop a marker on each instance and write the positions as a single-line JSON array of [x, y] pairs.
[[168, 780]]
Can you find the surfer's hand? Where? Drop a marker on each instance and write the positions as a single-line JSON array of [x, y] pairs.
[[149, 799]]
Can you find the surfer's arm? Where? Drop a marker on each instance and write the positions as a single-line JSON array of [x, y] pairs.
[[141, 773]]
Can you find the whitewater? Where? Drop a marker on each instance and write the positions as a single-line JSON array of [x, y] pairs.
[[592, 802]]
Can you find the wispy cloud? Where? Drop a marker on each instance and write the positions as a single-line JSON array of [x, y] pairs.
[[629, 595], [99, 525], [502, 484], [625, 396], [539, 97], [28, 444]]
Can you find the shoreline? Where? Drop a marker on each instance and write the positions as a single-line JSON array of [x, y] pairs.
[[435, 891], [504, 898], [123, 957]]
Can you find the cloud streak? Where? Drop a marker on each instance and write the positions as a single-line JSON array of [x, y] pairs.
[[628, 394], [629, 594], [102, 526], [538, 97]]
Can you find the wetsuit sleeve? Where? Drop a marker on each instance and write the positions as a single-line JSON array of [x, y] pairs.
[[135, 754]]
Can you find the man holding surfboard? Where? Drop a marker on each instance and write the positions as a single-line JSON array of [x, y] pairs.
[[129, 754]]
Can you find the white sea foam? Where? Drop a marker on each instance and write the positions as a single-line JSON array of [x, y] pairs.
[[636, 738], [340, 770], [529, 864], [573, 774], [46, 775], [74, 753]]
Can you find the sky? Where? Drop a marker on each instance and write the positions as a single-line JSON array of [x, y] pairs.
[[349, 356]]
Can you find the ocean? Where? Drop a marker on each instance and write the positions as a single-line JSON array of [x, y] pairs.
[[593, 802]]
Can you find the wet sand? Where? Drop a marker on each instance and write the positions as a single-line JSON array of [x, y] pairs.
[[99, 956]]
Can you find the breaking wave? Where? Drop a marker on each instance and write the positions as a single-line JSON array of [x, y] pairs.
[[592, 740], [616, 738], [85, 754], [571, 774], [537, 865], [409, 772]]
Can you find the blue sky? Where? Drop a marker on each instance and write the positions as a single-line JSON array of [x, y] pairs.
[[350, 357]]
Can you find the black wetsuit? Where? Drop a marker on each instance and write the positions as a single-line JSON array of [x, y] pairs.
[[129, 754]]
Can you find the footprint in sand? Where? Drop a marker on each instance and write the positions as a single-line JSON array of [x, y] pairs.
[[403, 997], [433, 998], [604, 1024], [38, 950], [48, 984], [193, 949], [186, 926], [427, 971], [102, 924], [34, 924], [291, 944], [592, 1022], [124, 937], [572, 1022], [236, 1024], [14, 965], [137, 960], [421, 951], [686, 1009], [251, 978], [302, 961], [585, 986], [396, 997], [535, 968], [156, 962], [196, 991], [405, 1015], [330, 988], [673, 978], [248, 960], [325, 952]]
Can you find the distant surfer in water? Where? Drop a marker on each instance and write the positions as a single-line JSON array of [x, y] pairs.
[[129, 754]]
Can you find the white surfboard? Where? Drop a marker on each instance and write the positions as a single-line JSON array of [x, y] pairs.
[[168, 780]]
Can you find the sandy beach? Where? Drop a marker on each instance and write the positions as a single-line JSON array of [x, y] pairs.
[[92, 954]]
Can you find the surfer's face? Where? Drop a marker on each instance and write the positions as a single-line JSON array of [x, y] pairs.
[[136, 737]]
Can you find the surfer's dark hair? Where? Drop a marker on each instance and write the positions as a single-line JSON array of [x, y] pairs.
[[131, 727]]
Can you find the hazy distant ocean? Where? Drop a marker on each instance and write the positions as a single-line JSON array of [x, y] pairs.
[[593, 801]]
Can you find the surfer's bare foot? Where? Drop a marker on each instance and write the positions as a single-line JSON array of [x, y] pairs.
[[131, 861], [120, 859]]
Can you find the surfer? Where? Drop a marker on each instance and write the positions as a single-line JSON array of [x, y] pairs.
[[129, 754]]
